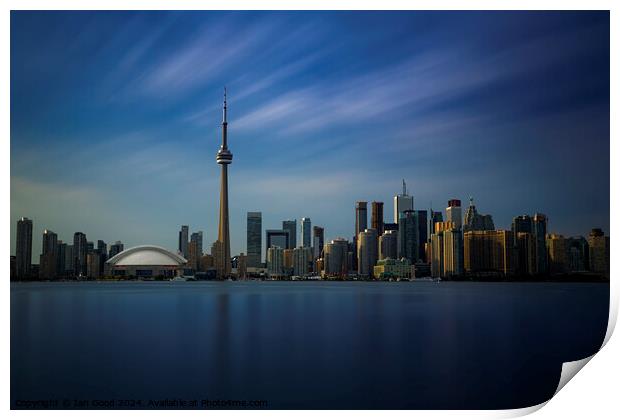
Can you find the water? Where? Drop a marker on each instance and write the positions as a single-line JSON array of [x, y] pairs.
[[302, 345]]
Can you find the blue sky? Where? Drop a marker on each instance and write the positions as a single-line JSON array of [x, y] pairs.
[[115, 118]]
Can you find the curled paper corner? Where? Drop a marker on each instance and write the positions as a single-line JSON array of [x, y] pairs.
[[570, 369]]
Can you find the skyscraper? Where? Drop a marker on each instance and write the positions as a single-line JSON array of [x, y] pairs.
[[254, 239], [277, 237], [489, 252], [60, 259], [540, 245], [361, 217], [275, 261], [318, 239], [306, 232], [408, 236], [557, 250], [335, 258], [301, 256], [224, 158], [453, 213], [476, 221], [376, 219], [599, 252], [116, 248], [291, 227], [196, 237], [435, 217], [422, 234], [184, 241], [49, 255], [23, 248], [402, 203], [367, 252], [80, 251], [388, 245]]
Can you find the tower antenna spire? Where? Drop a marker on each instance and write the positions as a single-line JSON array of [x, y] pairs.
[[224, 104], [404, 187]]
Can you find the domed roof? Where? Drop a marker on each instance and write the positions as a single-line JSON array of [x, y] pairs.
[[147, 255]]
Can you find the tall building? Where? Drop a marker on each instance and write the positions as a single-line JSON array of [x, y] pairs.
[[453, 258], [367, 252], [525, 254], [80, 251], [195, 254], [60, 259], [557, 251], [301, 257], [402, 203], [578, 254], [408, 245], [489, 253], [242, 266], [435, 217], [361, 217], [49, 255], [422, 217], [196, 237], [291, 227], [23, 248], [539, 223], [335, 258], [255, 238], [306, 232], [69, 261], [388, 245], [93, 265], [288, 261], [224, 158], [102, 248], [275, 261], [453, 213], [599, 252], [436, 254], [116, 248], [318, 239], [376, 219], [184, 241], [277, 237], [476, 221]]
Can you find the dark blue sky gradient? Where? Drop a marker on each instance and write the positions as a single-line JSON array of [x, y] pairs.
[[115, 118]]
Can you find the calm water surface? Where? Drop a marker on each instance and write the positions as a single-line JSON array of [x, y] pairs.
[[303, 344]]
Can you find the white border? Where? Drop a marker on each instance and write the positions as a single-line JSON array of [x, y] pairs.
[[593, 394]]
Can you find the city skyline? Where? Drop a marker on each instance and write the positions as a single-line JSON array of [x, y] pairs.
[[131, 184]]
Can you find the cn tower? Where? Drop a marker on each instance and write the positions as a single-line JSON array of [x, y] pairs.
[[224, 158]]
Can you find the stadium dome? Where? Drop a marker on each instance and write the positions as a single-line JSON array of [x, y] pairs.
[[145, 261]]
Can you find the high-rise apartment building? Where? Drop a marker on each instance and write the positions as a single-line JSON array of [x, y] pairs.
[[367, 252], [435, 217], [291, 227], [116, 248], [301, 257], [408, 245], [184, 241], [306, 232], [539, 223], [80, 251], [376, 219], [23, 248], [599, 252], [453, 258], [196, 237], [422, 217], [49, 256], [402, 203], [557, 251], [361, 217], [254, 238], [488, 253], [453, 213], [388, 245], [318, 239], [277, 237], [275, 261], [335, 258], [578, 254], [525, 254]]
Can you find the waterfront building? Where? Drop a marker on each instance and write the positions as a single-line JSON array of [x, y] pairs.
[[302, 255], [116, 248], [207, 262], [288, 261], [388, 245], [80, 251], [408, 246], [437, 254], [488, 253], [402, 203], [336, 259], [539, 223], [254, 244], [453, 258], [184, 241], [219, 262], [376, 219], [291, 227], [277, 237], [557, 251], [196, 237], [224, 158], [242, 266], [61, 256], [193, 261], [361, 218], [435, 217], [367, 252], [476, 221], [318, 239], [146, 261], [453, 213], [69, 261], [275, 261], [49, 255], [578, 254], [599, 252], [422, 217], [306, 232], [525, 254], [23, 248], [93, 265], [389, 268]]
